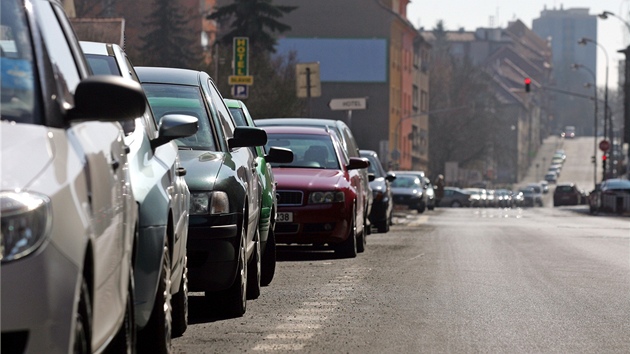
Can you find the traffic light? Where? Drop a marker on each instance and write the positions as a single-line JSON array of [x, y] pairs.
[[528, 81], [604, 163]]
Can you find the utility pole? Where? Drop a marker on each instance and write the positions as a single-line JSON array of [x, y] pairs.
[[626, 102]]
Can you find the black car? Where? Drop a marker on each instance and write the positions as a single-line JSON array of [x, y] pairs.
[[383, 201], [224, 255], [455, 198], [408, 190]]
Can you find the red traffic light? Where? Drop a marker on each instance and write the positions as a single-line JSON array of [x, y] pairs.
[[527, 82], [603, 157]]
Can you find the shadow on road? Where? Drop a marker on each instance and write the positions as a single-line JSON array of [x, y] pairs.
[[304, 253]]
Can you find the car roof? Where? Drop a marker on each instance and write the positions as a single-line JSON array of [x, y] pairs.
[[232, 103], [168, 75], [298, 121], [96, 48], [296, 130]]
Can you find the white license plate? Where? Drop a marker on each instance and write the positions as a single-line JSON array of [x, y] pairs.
[[284, 217]]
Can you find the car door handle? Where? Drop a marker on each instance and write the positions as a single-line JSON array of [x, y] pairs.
[[180, 172]]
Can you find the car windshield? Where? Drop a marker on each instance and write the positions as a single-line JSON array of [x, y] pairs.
[[18, 86], [309, 151], [406, 181], [180, 99]]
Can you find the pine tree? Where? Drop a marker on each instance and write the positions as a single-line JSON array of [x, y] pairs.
[[168, 42], [256, 19]]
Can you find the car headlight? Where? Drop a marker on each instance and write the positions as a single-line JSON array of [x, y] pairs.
[[326, 197], [209, 203], [26, 222]]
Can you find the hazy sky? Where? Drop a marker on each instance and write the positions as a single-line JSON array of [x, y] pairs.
[[612, 33]]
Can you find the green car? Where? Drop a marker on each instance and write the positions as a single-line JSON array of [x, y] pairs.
[[268, 208]]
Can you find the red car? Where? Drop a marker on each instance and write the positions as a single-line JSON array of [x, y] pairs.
[[318, 201]]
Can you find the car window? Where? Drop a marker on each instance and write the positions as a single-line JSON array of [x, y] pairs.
[[180, 99], [103, 64], [221, 110], [18, 85], [310, 151], [63, 61], [239, 117], [353, 149], [406, 181]]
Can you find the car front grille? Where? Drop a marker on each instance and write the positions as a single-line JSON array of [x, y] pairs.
[[289, 198]]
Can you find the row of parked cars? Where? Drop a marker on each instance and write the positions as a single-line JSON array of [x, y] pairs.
[[124, 188]]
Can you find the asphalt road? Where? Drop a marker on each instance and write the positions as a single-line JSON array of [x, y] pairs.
[[532, 280], [451, 281]]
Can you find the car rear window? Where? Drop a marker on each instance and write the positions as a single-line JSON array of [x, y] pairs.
[[309, 151]]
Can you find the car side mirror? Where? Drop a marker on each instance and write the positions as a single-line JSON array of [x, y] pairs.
[[390, 176], [247, 137], [107, 98], [279, 155], [358, 163], [175, 126], [371, 177]]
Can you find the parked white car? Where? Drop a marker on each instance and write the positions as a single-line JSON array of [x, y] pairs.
[[68, 214], [161, 191]]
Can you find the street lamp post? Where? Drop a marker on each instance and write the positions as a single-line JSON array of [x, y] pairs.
[[580, 66], [626, 86], [584, 41]]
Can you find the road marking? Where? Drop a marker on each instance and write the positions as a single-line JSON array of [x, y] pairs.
[[299, 327]]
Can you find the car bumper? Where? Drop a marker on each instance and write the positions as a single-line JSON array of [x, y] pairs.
[[38, 302], [212, 250], [324, 223]]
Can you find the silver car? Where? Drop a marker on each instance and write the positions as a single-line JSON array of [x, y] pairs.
[[68, 214], [162, 193]]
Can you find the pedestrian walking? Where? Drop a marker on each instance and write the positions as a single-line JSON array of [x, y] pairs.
[[439, 193]]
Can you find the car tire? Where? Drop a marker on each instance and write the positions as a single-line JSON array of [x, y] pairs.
[[268, 260], [383, 226], [83, 318], [180, 304], [155, 337], [456, 204], [232, 302], [348, 248], [254, 270], [421, 207], [125, 339]]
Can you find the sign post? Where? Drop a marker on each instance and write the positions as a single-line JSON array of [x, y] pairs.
[[307, 82], [240, 80]]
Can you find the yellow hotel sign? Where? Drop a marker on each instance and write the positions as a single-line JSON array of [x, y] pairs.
[[241, 80]]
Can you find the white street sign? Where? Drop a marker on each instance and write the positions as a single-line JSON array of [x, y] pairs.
[[348, 104]]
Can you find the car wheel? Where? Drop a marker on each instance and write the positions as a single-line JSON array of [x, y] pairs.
[[180, 304], [125, 339], [83, 319], [156, 336], [233, 301], [348, 248], [421, 207], [254, 271], [383, 226], [269, 260], [456, 204]]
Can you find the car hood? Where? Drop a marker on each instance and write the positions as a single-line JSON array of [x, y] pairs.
[[26, 150], [307, 178], [202, 168]]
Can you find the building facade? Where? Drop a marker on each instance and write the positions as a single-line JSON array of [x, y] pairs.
[[564, 28]]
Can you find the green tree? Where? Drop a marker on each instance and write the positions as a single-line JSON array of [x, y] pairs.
[[256, 19], [169, 42]]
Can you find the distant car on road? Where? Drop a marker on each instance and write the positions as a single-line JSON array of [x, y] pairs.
[[409, 190], [531, 196], [609, 195], [567, 194], [455, 197]]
